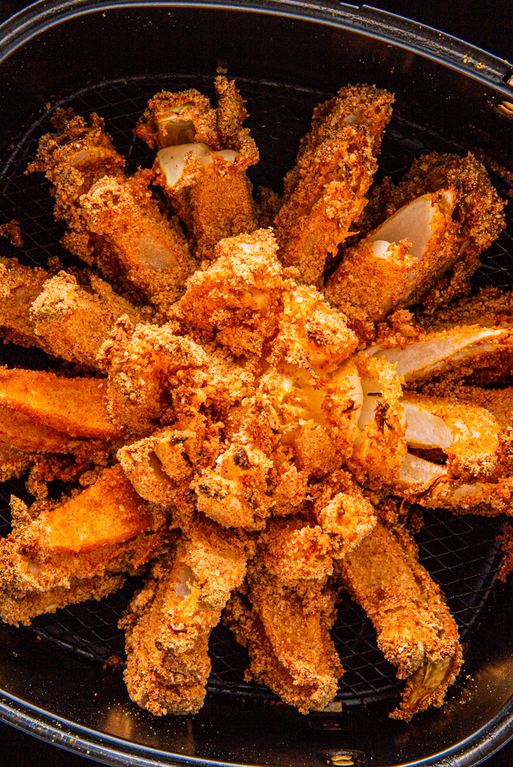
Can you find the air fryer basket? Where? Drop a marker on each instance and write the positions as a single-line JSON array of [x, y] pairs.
[[60, 678]]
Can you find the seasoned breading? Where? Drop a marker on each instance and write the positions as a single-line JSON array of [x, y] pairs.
[[21, 432], [75, 406], [326, 191], [286, 632], [76, 550], [310, 333], [236, 491], [156, 374], [168, 623], [19, 287], [13, 462], [401, 259], [140, 362], [236, 299], [461, 350], [150, 248], [478, 214], [415, 629], [71, 321], [490, 307], [305, 545], [246, 438], [201, 163]]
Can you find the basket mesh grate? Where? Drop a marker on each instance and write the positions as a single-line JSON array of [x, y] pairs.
[[461, 553]]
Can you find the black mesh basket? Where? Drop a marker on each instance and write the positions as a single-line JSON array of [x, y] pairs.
[[285, 58]]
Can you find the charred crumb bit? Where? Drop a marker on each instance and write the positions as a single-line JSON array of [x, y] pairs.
[[241, 459], [12, 231]]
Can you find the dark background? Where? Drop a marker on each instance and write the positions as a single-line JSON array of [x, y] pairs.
[[488, 25]]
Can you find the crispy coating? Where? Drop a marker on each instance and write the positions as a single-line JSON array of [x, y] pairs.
[[204, 178], [19, 287], [13, 462], [168, 623], [73, 320], [218, 204], [150, 248], [75, 406], [236, 492], [177, 118], [67, 317], [156, 374], [414, 628], [457, 352], [139, 247], [286, 632], [73, 158], [326, 190], [310, 333], [76, 550], [135, 399], [378, 448], [247, 424], [479, 212], [304, 546], [475, 451], [489, 307], [236, 299], [21, 432], [499, 402], [161, 467], [402, 258]]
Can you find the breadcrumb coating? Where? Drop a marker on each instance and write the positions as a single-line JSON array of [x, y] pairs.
[[235, 301], [73, 320], [168, 623], [201, 163], [246, 441], [150, 248], [415, 629], [326, 190], [286, 632], [46, 563]]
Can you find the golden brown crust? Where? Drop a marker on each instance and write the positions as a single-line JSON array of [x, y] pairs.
[[240, 407], [77, 550], [74, 406], [414, 627], [326, 190], [169, 622]]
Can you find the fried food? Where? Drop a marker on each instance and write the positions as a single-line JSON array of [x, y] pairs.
[[21, 432], [155, 374], [137, 247], [304, 546], [246, 441], [19, 287], [201, 163], [13, 463], [71, 320], [478, 216], [326, 190], [168, 623], [399, 260], [235, 301], [66, 318], [286, 632], [149, 248], [462, 349], [414, 627], [76, 551], [75, 406]]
